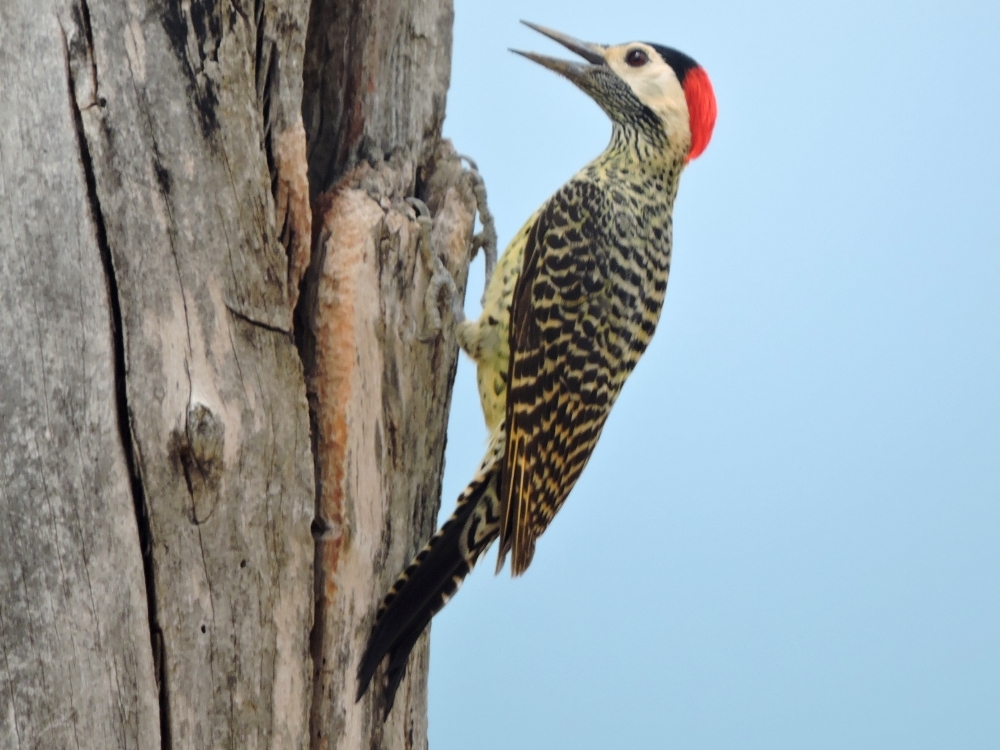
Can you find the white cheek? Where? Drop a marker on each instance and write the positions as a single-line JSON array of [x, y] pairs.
[[649, 89], [665, 96], [660, 91]]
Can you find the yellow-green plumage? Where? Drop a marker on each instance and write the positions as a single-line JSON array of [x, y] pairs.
[[486, 339]]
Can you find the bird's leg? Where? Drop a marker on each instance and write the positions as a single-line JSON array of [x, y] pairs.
[[486, 239], [441, 278]]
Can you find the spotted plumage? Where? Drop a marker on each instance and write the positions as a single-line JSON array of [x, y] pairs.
[[571, 307]]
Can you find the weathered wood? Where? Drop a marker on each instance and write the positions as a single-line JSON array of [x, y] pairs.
[[376, 76], [157, 570], [76, 664], [174, 120], [380, 396], [175, 124], [376, 79]]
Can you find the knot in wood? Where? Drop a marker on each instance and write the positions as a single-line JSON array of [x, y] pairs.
[[206, 435]]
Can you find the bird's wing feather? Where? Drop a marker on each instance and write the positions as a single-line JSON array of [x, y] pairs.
[[563, 363]]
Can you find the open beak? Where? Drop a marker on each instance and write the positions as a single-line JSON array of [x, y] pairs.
[[592, 53]]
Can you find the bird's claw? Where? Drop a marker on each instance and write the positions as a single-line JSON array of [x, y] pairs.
[[487, 238], [440, 279]]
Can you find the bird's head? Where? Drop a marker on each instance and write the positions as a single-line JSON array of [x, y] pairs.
[[656, 90]]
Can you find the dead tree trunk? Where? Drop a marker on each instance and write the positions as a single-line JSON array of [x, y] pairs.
[[221, 430]]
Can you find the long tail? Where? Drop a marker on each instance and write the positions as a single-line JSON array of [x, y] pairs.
[[434, 575]]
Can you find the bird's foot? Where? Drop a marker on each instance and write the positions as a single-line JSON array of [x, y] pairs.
[[487, 238], [441, 279]]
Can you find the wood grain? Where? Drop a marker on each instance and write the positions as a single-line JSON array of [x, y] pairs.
[[158, 571], [76, 662]]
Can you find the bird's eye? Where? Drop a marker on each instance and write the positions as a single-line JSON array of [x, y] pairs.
[[636, 58]]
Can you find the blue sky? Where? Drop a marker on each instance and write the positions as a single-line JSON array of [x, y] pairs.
[[789, 535]]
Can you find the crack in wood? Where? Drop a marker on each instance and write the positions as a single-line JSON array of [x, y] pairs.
[[120, 390], [257, 323]]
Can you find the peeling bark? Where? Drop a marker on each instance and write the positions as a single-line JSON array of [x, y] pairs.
[[192, 276], [380, 389]]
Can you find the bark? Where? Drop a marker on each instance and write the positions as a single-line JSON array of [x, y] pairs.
[[76, 663], [376, 75], [159, 581]]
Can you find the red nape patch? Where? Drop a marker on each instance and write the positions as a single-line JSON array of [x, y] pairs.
[[701, 110]]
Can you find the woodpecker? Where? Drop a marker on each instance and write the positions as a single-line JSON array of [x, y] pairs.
[[570, 308]]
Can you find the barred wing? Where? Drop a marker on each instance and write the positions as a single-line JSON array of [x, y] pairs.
[[566, 362]]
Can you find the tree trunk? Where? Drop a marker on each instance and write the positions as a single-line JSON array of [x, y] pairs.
[[221, 421]]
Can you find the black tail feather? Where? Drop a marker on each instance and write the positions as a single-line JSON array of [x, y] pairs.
[[398, 659], [419, 593], [399, 656]]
